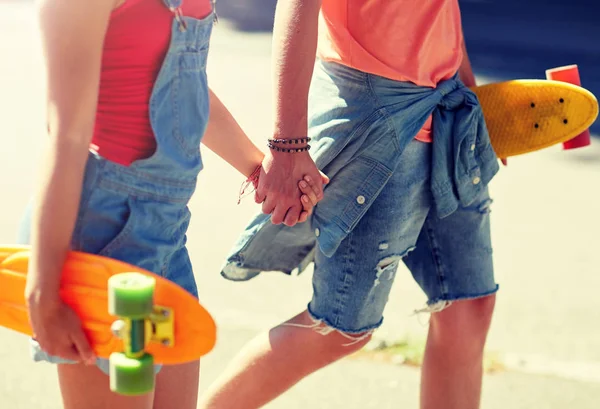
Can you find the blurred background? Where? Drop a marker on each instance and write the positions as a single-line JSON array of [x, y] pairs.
[[506, 39], [543, 347]]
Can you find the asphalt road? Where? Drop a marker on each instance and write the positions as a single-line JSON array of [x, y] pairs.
[[352, 383]]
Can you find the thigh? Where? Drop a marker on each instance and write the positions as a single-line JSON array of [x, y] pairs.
[[453, 256], [352, 287], [177, 386], [87, 387]]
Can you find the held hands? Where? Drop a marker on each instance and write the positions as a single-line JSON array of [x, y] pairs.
[[281, 188], [309, 196]]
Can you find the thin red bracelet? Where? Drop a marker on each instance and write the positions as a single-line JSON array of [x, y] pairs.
[[252, 179]]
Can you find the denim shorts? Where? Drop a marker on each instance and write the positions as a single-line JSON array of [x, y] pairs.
[[450, 258], [142, 223]]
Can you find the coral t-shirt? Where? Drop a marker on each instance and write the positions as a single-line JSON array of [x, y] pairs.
[[405, 40]]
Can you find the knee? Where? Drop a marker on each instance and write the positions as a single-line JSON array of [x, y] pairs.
[[337, 344], [325, 340], [467, 321]]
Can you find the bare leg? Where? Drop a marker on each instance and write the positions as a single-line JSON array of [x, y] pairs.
[[453, 364], [86, 387], [177, 387], [275, 361]]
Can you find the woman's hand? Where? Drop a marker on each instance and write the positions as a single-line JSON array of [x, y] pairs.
[[310, 195], [58, 329]]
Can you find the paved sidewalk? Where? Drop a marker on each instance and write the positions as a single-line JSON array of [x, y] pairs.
[[351, 383]]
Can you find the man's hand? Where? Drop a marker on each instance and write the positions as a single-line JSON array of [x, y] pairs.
[[295, 35], [278, 189]]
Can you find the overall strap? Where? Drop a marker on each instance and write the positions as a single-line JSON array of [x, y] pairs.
[[175, 7]]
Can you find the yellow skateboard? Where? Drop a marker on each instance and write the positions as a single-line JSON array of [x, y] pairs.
[[528, 115]]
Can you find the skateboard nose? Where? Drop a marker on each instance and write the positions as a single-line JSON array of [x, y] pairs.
[[575, 107], [570, 74]]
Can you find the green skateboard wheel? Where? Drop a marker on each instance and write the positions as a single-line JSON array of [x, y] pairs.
[[131, 376], [131, 295]]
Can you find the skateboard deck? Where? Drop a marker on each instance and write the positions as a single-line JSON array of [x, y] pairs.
[[185, 333], [528, 115]]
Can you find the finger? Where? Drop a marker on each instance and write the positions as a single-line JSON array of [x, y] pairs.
[[83, 348], [307, 205], [70, 353], [292, 215], [303, 217], [316, 185], [309, 191], [65, 351], [324, 178], [279, 213], [268, 206], [259, 197]]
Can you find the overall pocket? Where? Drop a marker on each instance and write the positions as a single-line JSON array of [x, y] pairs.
[[105, 222]]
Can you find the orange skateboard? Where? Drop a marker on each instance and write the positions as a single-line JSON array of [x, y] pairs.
[[131, 316], [528, 115]]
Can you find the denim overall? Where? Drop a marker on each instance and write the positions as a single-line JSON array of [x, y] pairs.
[[138, 213]]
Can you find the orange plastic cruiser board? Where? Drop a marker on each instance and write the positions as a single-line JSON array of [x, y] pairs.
[[528, 115], [185, 332]]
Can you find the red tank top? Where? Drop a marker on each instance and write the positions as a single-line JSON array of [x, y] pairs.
[[136, 42]]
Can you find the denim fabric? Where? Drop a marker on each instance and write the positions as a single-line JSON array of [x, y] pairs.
[[139, 214], [450, 258], [360, 124]]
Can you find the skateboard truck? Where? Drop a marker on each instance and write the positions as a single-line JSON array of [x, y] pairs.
[[158, 328], [131, 299]]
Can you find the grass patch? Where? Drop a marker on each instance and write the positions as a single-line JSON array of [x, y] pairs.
[[410, 352]]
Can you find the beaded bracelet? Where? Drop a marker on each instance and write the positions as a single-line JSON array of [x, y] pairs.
[[288, 150], [295, 141]]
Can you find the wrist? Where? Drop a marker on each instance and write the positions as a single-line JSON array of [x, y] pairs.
[[289, 145], [255, 162], [287, 160], [281, 156], [291, 127], [42, 296]]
